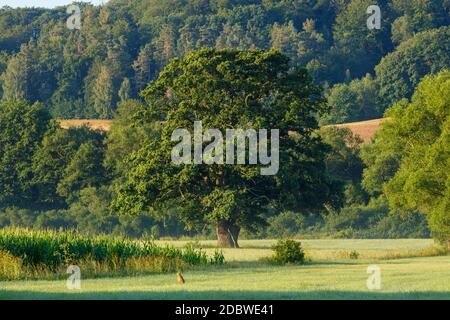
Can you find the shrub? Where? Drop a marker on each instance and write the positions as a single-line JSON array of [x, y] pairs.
[[288, 251]]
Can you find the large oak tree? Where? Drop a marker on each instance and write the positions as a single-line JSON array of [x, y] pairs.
[[229, 89]]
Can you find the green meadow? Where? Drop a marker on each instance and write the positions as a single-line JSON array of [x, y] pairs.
[[410, 269]]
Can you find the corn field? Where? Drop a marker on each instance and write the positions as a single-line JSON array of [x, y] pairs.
[[56, 249]]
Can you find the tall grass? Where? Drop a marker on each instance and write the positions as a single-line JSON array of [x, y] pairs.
[[45, 252]]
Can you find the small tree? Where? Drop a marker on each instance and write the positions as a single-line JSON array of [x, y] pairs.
[[229, 89]]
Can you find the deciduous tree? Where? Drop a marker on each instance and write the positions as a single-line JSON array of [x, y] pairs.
[[230, 89]]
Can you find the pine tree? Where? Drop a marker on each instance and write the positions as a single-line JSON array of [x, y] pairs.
[[103, 93], [143, 67], [17, 77], [125, 90]]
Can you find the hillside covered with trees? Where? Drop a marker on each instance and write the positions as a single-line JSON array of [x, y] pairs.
[[123, 45]]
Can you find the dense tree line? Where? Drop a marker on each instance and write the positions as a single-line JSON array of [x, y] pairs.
[[57, 178]]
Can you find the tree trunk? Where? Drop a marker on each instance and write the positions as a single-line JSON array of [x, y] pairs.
[[227, 234]]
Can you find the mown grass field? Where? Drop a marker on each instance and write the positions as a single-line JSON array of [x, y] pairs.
[[329, 274]]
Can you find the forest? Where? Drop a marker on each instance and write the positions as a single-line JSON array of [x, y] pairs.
[[126, 56]]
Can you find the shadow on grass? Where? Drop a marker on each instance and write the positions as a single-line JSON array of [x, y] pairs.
[[225, 295]]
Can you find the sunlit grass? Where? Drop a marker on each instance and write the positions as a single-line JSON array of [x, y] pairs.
[[401, 279], [328, 274], [328, 249]]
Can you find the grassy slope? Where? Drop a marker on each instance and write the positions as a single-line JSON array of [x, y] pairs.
[[245, 278]]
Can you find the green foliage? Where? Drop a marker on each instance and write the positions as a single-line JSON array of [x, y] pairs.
[[343, 161], [78, 74], [229, 89], [10, 266], [354, 218], [194, 256], [22, 127], [397, 75], [421, 15], [85, 170], [357, 100], [401, 71], [55, 153], [284, 225], [126, 137], [102, 93], [288, 251], [125, 90], [124, 45], [360, 47], [301, 47], [217, 258], [54, 249], [408, 160], [19, 76], [423, 180], [376, 221], [354, 255], [90, 216], [382, 159], [399, 224]]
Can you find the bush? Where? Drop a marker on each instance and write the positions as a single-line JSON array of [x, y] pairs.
[[288, 251]]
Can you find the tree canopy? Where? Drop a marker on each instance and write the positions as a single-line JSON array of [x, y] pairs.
[[409, 159], [22, 129], [122, 45], [230, 89]]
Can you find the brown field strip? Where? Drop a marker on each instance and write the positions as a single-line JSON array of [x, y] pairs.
[[102, 125], [364, 129]]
